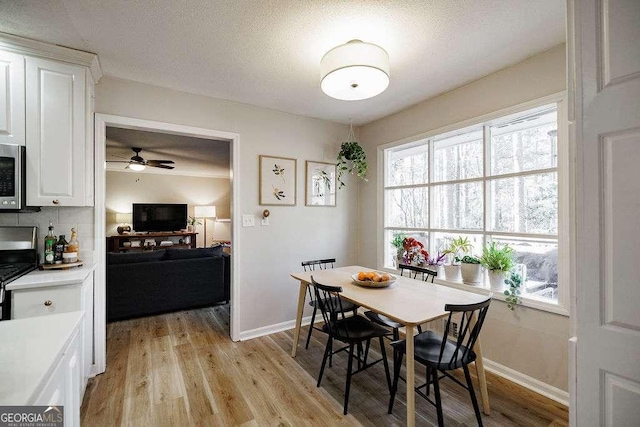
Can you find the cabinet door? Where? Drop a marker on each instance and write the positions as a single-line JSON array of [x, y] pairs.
[[55, 137], [87, 328], [45, 301], [12, 124]]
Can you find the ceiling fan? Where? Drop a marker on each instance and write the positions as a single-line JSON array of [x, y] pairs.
[[137, 163]]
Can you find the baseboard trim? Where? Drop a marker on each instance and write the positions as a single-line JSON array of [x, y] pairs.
[[272, 329], [526, 381]]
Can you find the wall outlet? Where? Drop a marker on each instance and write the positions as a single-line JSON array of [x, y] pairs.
[[264, 221], [248, 221]]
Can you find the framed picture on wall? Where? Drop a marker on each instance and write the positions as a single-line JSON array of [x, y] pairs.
[[320, 188], [278, 181]]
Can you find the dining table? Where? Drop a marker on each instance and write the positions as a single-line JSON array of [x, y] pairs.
[[408, 301]]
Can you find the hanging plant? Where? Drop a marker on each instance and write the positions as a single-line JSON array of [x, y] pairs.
[[351, 159]]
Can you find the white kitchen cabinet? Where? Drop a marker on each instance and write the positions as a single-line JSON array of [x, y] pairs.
[[55, 133], [12, 100]]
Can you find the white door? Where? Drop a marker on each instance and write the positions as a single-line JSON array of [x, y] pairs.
[[55, 117], [11, 98], [606, 40]]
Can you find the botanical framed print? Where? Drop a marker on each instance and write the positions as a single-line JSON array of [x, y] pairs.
[[320, 184], [278, 181]]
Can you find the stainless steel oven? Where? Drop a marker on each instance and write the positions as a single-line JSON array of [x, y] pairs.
[[12, 181]]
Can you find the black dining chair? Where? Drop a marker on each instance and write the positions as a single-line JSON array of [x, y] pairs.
[[321, 264], [427, 276], [353, 331], [440, 354]]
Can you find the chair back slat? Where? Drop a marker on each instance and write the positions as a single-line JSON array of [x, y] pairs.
[[470, 323], [330, 305], [427, 274], [320, 264]]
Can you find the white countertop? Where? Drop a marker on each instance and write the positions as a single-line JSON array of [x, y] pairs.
[[45, 278], [29, 351]]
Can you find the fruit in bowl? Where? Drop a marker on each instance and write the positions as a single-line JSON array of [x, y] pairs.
[[373, 278]]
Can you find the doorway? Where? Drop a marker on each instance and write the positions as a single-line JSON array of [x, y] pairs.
[[104, 121]]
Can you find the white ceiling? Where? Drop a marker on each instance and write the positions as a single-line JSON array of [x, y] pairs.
[[267, 53], [192, 156]]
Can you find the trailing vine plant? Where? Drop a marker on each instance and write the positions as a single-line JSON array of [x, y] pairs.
[[351, 159], [513, 293]]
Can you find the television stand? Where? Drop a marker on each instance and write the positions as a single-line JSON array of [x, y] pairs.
[[116, 243]]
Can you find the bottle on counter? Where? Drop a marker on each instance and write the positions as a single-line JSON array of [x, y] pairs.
[[70, 254], [49, 246], [60, 245]]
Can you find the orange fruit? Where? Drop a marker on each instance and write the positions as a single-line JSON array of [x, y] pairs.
[[362, 275], [385, 277], [376, 277], [370, 275]]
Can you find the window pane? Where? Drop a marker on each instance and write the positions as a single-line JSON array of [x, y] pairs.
[[458, 157], [390, 252], [525, 144], [443, 240], [408, 165], [407, 207], [526, 204], [458, 206], [538, 262]]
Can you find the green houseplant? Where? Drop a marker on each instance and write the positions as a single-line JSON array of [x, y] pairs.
[[192, 221], [397, 242], [512, 294], [498, 260], [351, 159], [471, 269], [457, 247]]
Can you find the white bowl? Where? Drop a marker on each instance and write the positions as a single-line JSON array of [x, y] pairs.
[[371, 283]]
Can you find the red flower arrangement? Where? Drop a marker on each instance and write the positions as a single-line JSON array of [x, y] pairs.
[[414, 252]]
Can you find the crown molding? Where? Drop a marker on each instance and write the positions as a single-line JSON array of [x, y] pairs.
[[25, 46]]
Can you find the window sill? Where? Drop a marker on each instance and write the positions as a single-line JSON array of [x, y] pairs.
[[526, 301]]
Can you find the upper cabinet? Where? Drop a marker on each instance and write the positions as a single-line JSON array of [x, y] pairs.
[[46, 103], [12, 123], [56, 163]]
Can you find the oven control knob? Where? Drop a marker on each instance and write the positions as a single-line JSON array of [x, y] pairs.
[[13, 202], [48, 303], [4, 202]]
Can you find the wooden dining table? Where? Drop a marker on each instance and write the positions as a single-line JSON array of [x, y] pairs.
[[408, 301]]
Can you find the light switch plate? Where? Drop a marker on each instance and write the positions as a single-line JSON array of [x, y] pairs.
[[248, 221]]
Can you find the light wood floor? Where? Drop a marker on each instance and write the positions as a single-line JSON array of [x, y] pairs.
[[182, 369]]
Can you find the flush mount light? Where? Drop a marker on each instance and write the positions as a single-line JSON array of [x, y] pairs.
[[355, 70], [136, 167]]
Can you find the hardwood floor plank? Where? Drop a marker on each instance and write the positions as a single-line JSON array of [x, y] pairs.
[[182, 369]]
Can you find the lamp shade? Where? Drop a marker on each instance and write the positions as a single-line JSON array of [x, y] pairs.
[[137, 167], [355, 70], [123, 218], [204, 211]]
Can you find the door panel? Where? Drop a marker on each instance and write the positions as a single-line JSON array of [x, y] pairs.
[[12, 124]]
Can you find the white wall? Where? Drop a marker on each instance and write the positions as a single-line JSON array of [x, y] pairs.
[[267, 255], [527, 340], [125, 188]]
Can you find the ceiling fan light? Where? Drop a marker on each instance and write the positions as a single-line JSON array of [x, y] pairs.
[[136, 167], [354, 71]]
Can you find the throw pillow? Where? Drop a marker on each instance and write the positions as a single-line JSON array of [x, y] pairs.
[[173, 254], [134, 257]]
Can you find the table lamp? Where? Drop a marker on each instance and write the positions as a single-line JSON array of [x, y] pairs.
[[204, 212], [124, 219]]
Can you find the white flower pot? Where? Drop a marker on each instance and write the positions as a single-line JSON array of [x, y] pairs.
[[440, 270], [190, 228], [452, 273], [496, 280], [471, 273]]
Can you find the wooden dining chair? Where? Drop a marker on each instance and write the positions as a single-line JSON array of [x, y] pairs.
[[440, 354], [353, 331], [427, 276], [314, 265]]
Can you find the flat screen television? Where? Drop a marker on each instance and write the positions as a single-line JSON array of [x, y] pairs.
[[159, 216]]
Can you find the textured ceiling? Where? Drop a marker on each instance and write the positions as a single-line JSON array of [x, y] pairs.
[[192, 156], [267, 52]]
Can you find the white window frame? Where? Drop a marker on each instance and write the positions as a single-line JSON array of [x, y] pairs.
[[564, 198]]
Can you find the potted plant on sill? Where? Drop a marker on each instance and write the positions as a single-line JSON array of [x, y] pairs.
[[192, 221], [351, 159], [499, 262], [398, 243], [414, 254], [437, 264], [456, 248], [471, 270]]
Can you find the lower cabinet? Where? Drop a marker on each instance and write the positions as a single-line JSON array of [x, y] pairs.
[[44, 301], [65, 385]]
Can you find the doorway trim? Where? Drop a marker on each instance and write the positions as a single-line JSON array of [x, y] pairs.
[[100, 135]]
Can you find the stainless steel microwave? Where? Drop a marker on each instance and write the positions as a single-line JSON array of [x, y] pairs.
[[12, 177]]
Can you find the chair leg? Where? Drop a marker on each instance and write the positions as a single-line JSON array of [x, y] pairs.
[[472, 393], [366, 352], [331, 353], [348, 386], [385, 362], [397, 364], [436, 389], [327, 351], [359, 355], [313, 319], [428, 380]]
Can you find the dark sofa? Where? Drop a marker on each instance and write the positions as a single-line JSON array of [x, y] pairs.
[[145, 283]]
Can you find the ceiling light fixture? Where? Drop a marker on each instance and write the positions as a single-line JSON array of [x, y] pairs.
[[136, 167], [355, 70]]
